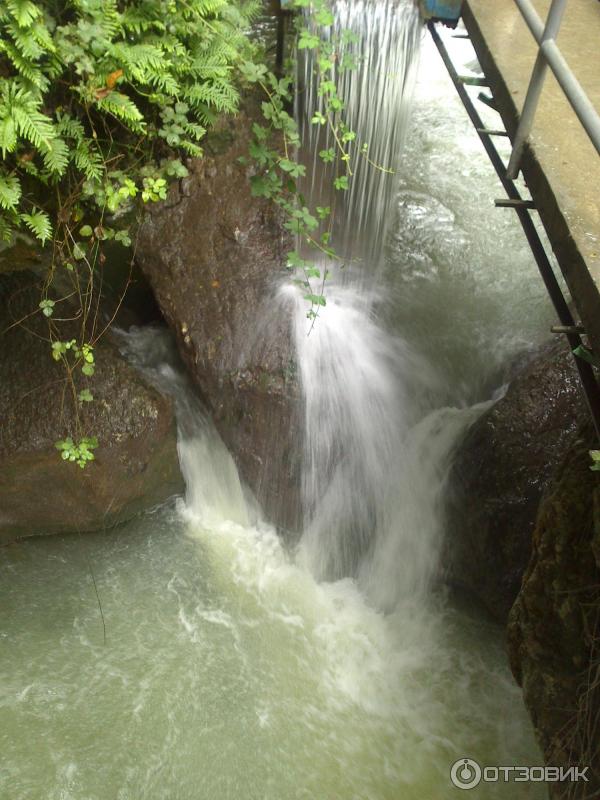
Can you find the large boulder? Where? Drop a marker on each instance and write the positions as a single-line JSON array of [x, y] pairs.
[[215, 257], [136, 465], [500, 472], [554, 626]]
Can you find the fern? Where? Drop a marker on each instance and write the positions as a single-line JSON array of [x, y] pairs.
[[8, 135], [25, 66], [29, 122], [88, 161], [24, 11], [6, 228], [10, 192], [122, 107], [56, 157], [99, 98], [39, 224]]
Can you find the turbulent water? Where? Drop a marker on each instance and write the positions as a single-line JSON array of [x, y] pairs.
[[230, 668]]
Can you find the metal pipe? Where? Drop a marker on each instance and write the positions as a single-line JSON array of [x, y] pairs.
[[580, 102], [550, 52], [536, 84], [530, 15]]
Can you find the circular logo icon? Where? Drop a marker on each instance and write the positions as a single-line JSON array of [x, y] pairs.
[[465, 773]]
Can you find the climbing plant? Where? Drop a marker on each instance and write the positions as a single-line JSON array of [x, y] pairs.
[[275, 142]]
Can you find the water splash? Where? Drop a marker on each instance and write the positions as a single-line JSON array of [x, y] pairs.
[[370, 484]]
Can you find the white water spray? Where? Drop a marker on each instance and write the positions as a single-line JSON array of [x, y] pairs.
[[372, 480]]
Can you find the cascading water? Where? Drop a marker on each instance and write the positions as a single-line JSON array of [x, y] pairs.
[[228, 670], [371, 483], [381, 37]]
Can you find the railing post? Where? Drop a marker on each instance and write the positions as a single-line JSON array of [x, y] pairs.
[[536, 85]]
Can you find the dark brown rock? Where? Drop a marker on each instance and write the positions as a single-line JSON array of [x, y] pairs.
[[500, 472], [214, 256], [554, 626], [136, 465]]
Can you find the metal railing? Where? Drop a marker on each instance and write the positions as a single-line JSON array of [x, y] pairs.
[[549, 55], [523, 208]]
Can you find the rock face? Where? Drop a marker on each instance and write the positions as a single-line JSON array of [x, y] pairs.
[[554, 626], [215, 256], [136, 464], [499, 474]]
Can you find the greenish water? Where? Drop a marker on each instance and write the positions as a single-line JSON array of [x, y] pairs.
[[229, 673]]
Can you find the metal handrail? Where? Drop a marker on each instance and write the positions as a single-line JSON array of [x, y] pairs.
[[549, 55]]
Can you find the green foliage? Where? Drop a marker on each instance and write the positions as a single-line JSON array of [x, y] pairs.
[[278, 169], [595, 456], [92, 86], [100, 103], [80, 452]]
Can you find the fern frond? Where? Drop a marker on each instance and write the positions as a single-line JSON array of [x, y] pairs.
[[69, 127], [10, 192], [191, 148], [194, 129], [29, 122], [220, 95], [88, 161], [8, 136], [27, 68], [56, 156], [123, 107], [39, 224], [139, 20], [23, 11], [24, 41], [6, 228]]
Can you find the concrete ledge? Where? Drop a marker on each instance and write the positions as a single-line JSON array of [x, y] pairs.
[[561, 166]]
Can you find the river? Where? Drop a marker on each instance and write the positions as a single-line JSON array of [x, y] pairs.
[[224, 666]]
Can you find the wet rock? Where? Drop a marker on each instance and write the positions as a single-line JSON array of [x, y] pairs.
[[554, 625], [215, 256], [136, 464], [500, 472]]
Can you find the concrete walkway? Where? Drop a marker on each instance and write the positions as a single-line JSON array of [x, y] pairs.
[[562, 168]]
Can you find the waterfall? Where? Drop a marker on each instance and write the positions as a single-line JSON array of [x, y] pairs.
[[384, 45], [229, 670], [375, 448]]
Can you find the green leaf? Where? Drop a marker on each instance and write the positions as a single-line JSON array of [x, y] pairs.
[[327, 155], [253, 72], [308, 40], [316, 299], [24, 11], [324, 17], [39, 224], [86, 231], [10, 191], [295, 169], [85, 396], [47, 307]]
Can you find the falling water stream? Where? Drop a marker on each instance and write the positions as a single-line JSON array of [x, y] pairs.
[[233, 668]]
